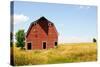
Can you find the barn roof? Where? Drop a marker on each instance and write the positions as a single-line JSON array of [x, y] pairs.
[[43, 22]]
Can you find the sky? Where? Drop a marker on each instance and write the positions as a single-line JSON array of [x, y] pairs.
[[74, 23]]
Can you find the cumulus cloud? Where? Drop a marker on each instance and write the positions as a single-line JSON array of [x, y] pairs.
[[20, 18]]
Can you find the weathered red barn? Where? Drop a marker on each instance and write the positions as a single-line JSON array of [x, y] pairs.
[[41, 34]]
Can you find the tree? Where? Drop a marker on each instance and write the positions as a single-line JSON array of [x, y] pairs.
[[20, 38], [94, 40]]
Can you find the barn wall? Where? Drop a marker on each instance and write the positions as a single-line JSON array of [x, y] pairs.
[[37, 35]]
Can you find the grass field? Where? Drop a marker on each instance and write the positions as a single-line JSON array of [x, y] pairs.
[[65, 53]]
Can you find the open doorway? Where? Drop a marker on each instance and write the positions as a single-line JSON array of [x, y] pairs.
[[44, 45], [56, 44], [29, 46]]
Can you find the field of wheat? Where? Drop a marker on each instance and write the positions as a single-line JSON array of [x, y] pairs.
[[65, 53]]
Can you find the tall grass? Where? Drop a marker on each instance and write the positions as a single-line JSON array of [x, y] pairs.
[[65, 53]]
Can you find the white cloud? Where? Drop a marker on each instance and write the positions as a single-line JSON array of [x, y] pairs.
[[81, 7], [88, 7], [84, 7], [20, 18], [73, 39]]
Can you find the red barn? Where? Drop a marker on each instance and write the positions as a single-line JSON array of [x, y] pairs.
[[41, 34]]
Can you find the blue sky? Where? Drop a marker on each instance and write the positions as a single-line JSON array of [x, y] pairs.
[[74, 23]]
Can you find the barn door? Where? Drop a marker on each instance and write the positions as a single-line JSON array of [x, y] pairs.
[[29, 46], [56, 44], [44, 45]]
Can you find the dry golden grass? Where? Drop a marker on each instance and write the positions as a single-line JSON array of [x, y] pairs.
[[65, 53]]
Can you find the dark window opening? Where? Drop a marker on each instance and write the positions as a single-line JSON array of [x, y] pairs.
[[50, 24], [44, 45], [56, 44], [35, 24], [29, 47]]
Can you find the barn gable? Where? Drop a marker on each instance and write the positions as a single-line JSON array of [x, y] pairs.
[[43, 22]]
